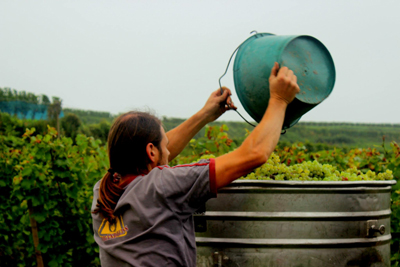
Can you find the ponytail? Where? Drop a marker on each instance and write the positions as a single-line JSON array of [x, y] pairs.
[[109, 194], [127, 141]]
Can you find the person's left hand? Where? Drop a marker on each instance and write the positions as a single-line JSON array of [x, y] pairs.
[[217, 104]]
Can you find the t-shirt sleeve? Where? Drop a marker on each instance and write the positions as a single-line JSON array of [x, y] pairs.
[[187, 187]]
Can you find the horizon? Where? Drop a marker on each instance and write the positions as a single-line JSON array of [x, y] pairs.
[[300, 122]]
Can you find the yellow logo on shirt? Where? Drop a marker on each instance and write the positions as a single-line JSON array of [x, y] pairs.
[[109, 231]]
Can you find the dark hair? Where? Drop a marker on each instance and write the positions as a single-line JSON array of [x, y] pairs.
[[127, 141]]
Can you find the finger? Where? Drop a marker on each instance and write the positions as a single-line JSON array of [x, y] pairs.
[[223, 88], [219, 91], [283, 71], [227, 108], [232, 106], [298, 88], [229, 101], [290, 74], [224, 95], [294, 78], [275, 69], [223, 109]]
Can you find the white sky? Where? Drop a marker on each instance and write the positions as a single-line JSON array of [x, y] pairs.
[[168, 55]]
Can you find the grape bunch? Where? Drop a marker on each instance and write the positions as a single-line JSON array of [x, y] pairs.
[[273, 169]]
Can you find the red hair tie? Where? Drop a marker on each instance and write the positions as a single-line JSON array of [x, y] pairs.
[[116, 176]]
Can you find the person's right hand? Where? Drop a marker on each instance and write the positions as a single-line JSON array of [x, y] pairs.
[[283, 84]]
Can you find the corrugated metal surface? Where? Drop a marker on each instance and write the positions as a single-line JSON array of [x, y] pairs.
[[282, 223]]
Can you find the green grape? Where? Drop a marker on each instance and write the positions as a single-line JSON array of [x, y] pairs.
[[207, 156], [273, 169]]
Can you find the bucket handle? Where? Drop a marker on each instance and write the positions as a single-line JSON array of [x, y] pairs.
[[229, 62], [226, 70]]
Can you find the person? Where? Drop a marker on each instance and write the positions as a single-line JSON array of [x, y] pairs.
[[142, 208]]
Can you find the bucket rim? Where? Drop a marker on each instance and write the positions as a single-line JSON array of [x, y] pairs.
[[288, 39], [329, 56]]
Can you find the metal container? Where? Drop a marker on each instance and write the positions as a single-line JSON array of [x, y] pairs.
[[309, 59], [288, 223]]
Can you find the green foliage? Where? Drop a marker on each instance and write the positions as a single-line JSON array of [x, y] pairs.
[[23, 104], [362, 159], [91, 117], [316, 135], [342, 134], [100, 130], [10, 125], [215, 142], [54, 109], [70, 125], [237, 130], [55, 178], [8, 94]]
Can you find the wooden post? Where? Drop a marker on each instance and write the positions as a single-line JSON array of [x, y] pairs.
[[35, 236]]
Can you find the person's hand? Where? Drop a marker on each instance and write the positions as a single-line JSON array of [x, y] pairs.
[[283, 84], [217, 104]]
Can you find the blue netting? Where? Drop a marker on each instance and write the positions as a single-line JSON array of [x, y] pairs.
[[25, 110]]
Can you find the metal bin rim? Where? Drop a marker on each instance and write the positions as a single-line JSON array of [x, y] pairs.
[[269, 183]]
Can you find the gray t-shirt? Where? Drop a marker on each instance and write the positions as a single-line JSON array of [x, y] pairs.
[[156, 227]]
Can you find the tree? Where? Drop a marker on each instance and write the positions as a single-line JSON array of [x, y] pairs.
[[100, 130], [70, 124], [53, 112]]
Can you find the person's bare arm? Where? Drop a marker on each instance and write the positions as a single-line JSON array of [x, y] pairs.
[[215, 106], [259, 145]]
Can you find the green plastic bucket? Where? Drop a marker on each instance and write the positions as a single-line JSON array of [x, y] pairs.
[[306, 56]]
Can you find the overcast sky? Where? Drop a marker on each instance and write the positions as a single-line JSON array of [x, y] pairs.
[[168, 55]]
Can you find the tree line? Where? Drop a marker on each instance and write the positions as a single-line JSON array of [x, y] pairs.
[[97, 124], [27, 105]]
